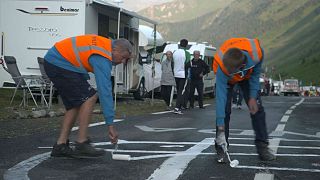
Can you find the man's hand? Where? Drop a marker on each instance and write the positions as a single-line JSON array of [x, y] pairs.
[[253, 106], [113, 135]]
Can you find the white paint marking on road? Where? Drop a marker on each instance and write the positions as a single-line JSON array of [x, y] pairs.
[[150, 129], [178, 162], [20, 171], [97, 124], [165, 112], [280, 127], [288, 112], [278, 168], [172, 146], [247, 132], [263, 176], [293, 107], [284, 118], [275, 142], [318, 134], [301, 134]]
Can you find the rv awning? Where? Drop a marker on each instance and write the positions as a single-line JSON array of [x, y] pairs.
[[125, 11]]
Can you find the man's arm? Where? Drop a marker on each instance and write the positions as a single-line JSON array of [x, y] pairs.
[[102, 70], [221, 96]]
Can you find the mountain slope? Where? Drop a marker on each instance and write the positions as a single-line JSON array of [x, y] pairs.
[[287, 29]]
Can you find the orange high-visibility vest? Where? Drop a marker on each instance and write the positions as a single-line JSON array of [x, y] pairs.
[[252, 46], [77, 50]]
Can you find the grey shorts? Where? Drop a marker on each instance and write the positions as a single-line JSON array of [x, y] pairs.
[[73, 87]]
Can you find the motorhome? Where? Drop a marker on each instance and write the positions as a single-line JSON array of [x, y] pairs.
[[206, 53], [30, 27]]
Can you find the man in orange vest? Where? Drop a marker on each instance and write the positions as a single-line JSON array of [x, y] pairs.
[[238, 61], [67, 65]]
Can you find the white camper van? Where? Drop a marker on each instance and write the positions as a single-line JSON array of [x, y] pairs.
[[30, 27], [207, 52]]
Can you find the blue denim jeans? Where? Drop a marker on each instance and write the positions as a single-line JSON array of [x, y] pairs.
[[258, 120]]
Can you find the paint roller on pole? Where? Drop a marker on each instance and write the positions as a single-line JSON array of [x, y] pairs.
[[121, 157]]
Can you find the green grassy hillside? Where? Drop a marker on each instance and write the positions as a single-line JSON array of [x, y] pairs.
[[288, 30]]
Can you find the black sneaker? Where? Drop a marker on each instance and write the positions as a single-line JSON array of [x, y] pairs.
[[264, 152], [221, 155], [86, 150], [62, 150]]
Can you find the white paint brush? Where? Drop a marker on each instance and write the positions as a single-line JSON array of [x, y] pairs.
[[123, 157]]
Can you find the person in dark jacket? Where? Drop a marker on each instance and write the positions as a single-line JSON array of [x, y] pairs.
[[198, 68]]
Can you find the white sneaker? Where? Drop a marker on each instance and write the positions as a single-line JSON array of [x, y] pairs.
[[239, 107], [177, 111]]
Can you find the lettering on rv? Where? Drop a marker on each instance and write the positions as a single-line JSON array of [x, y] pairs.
[[51, 31], [62, 9]]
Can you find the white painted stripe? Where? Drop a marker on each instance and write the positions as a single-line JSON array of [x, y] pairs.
[[293, 107], [300, 102], [284, 118], [97, 124], [264, 176], [274, 144], [173, 167], [277, 168], [247, 132], [288, 112], [162, 112], [165, 112], [20, 171], [280, 127], [172, 146]]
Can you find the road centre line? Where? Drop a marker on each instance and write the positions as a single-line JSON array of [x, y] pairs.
[[274, 143], [288, 112], [284, 118], [178, 162]]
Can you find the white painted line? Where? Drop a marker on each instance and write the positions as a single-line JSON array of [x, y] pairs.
[[278, 168], [280, 127], [301, 134], [162, 112], [97, 124], [264, 176], [293, 107], [274, 144], [165, 112], [151, 129], [247, 132], [20, 171], [172, 146], [284, 118], [300, 102], [173, 167], [288, 112]]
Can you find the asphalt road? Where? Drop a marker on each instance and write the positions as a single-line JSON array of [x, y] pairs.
[[169, 146]]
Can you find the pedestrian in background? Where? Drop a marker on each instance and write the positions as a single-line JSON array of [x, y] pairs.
[[67, 65], [198, 68], [180, 57], [238, 61], [167, 79], [237, 97]]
